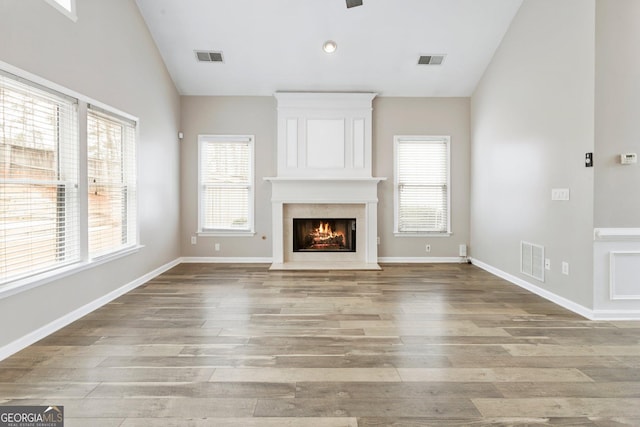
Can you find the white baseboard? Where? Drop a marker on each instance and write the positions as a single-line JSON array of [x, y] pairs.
[[556, 299], [269, 260], [422, 260], [226, 260], [618, 315], [68, 318]]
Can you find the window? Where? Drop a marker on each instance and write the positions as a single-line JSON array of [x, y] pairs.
[[421, 185], [39, 200], [225, 184], [61, 209], [67, 7], [111, 171]]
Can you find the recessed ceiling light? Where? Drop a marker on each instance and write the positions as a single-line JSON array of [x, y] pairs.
[[329, 46]]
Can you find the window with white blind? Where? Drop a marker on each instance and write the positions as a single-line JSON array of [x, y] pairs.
[[422, 190], [60, 211], [225, 184], [111, 171], [39, 200]]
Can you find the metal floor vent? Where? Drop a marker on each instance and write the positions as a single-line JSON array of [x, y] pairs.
[[431, 59], [208, 56], [532, 260]]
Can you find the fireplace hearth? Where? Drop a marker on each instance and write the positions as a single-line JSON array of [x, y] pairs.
[[324, 234]]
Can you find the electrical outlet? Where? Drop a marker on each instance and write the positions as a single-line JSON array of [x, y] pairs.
[[462, 250], [194, 240], [547, 264], [378, 239], [565, 268], [427, 248], [217, 246]]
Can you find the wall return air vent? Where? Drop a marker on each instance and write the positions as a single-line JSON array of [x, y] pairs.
[[208, 56], [431, 59], [532, 260]]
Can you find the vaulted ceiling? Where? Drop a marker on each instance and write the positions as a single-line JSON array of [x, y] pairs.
[[276, 45]]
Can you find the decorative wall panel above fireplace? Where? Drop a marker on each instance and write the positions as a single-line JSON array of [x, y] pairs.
[[324, 134]]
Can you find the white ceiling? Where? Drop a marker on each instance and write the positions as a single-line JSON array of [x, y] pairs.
[[276, 45]]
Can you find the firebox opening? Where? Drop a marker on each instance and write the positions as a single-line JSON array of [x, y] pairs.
[[324, 234]]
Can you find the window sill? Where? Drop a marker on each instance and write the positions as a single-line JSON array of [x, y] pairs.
[[221, 233], [423, 234], [31, 282]]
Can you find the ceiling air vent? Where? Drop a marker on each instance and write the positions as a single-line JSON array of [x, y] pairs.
[[353, 3], [208, 56], [431, 59]]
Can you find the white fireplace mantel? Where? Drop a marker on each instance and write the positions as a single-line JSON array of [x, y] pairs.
[[319, 192], [324, 166], [324, 190]]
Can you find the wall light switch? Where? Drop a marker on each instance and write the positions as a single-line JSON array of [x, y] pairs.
[[547, 264], [565, 268], [560, 194]]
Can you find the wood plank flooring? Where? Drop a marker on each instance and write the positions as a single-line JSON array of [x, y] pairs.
[[411, 345]]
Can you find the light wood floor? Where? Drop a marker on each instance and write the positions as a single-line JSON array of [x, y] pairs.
[[412, 345]]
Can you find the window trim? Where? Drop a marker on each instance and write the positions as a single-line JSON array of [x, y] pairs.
[[24, 283], [69, 13], [397, 140], [204, 138]]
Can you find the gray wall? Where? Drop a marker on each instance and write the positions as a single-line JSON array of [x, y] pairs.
[[422, 116], [107, 55], [392, 116], [235, 115], [532, 120], [617, 113]]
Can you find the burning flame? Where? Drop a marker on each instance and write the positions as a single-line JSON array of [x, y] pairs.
[[324, 233]]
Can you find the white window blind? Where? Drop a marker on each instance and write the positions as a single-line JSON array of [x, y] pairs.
[[226, 183], [39, 205], [422, 185], [111, 170]]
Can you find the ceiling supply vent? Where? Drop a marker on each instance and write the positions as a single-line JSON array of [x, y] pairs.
[[532, 260], [431, 59], [353, 3], [208, 56]]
